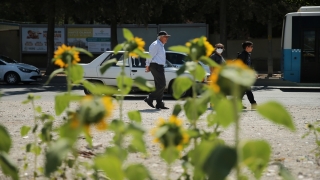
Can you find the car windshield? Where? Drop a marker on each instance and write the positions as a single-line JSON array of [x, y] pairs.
[[7, 60]]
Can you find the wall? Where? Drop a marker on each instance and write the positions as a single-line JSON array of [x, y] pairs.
[[10, 45]]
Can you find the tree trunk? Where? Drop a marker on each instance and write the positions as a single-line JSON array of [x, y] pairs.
[[270, 58], [50, 36], [223, 24], [114, 39]]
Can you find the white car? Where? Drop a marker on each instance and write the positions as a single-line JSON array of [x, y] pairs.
[[14, 72], [134, 67], [178, 59]]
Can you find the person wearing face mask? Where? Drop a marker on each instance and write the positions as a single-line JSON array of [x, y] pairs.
[[218, 58], [217, 55]]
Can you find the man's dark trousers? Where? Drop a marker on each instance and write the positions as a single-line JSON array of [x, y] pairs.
[[157, 71], [250, 96]]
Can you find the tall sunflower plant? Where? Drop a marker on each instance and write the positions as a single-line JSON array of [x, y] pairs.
[[95, 112], [223, 91]]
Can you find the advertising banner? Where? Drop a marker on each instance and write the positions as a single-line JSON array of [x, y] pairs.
[[34, 39], [95, 40]]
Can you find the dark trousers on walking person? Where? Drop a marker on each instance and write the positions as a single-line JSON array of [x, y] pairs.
[[250, 98], [157, 71]]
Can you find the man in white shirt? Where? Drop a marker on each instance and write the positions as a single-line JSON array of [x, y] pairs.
[[156, 65]]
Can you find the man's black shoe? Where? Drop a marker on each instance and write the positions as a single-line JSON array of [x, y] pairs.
[[161, 106], [148, 102]]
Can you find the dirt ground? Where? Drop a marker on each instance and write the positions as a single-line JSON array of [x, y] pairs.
[[288, 147]]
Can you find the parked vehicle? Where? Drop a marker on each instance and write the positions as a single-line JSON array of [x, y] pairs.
[[178, 59], [13, 72], [134, 67]]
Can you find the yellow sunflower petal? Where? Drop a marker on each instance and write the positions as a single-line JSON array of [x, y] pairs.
[[156, 140], [160, 122], [74, 121], [179, 147], [185, 138], [102, 125], [107, 102], [87, 129], [174, 120], [133, 54], [60, 63]]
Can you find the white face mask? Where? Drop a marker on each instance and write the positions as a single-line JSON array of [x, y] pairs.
[[219, 51]]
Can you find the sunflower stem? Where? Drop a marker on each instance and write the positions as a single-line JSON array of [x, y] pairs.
[[237, 125], [68, 76], [35, 140], [194, 97], [168, 171]]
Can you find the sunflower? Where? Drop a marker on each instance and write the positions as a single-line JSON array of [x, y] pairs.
[[63, 54], [139, 44], [170, 133], [208, 46], [93, 111], [199, 47], [213, 80], [237, 63], [174, 120]]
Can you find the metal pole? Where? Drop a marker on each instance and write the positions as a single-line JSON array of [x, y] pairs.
[[270, 58]]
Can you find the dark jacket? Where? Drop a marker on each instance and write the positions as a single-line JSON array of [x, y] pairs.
[[245, 57], [217, 58]]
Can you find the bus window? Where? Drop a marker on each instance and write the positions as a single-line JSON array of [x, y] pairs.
[[308, 51]]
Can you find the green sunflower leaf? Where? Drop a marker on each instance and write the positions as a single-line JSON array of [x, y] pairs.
[[110, 165], [124, 84], [143, 84], [220, 162], [177, 109], [224, 115], [127, 34], [55, 155], [256, 155], [180, 85], [208, 61], [8, 167], [62, 101], [76, 73], [137, 171], [105, 66], [118, 48], [170, 154], [5, 143], [135, 116], [24, 130], [276, 113], [180, 48]]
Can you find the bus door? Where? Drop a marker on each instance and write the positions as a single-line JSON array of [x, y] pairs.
[[310, 56]]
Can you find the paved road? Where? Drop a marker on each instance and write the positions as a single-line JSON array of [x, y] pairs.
[[287, 95], [302, 103]]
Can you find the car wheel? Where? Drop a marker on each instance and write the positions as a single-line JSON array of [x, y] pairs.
[[12, 78]]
